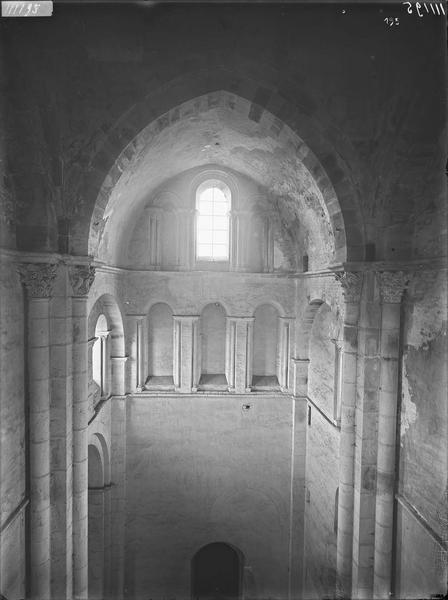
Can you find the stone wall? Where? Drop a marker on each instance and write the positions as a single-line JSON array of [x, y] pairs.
[[13, 486], [322, 475], [322, 460], [163, 236], [423, 475], [121, 71], [202, 469]]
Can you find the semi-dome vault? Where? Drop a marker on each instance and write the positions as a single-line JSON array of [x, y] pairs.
[[220, 129]]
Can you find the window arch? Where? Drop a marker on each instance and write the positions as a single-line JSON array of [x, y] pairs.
[[100, 356], [213, 205]]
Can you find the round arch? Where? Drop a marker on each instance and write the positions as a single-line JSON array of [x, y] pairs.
[[97, 441], [306, 325], [96, 518], [217, 569], [215, 302], [107, 306], [269, 301]]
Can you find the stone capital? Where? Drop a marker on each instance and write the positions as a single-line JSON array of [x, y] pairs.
[[81, 278], [351, 283], [240, 213], [119, 359], [155, 211], [286, 319], [392, 285], [240, 319], [186, 318], [183, 210], [38, 278]]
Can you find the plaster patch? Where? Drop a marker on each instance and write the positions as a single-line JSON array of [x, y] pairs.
[[428, 318], [408, 409]]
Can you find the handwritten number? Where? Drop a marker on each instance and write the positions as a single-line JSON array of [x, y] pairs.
[[391, 21]]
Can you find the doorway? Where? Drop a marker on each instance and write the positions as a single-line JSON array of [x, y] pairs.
[[217, 573]]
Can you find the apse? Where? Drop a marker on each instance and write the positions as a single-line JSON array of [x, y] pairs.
[[202, 132]]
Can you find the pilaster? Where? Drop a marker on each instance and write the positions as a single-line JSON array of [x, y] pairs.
[[118, 495], [268, 247], [299, 376], [239, 353], [154, 216], [186, 238], [186, 353], [240, 227], [284, 345], [136, 366]]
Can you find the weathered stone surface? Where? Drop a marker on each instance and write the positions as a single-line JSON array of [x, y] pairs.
[[107, 118]]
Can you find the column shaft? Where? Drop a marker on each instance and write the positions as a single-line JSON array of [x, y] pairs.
[[81, 278], [351, 287], [155, 252], [38, 280], [391, 288], [118, 496], [61, 432], [230, 353], [186, 354], [239, 353], [80, 424], [134, 344], [39, 422], [284, 350]]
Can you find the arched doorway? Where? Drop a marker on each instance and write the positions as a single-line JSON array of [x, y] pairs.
[[217, 572]]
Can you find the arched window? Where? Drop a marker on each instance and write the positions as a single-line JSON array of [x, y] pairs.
[[100, 356], [213, 204]]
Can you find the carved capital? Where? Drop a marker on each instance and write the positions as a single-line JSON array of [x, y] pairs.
[[38, 278], [81, 278], [351, 283], [392, 285], [157, 211]]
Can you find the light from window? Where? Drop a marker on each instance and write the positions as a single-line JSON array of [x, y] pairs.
[[212, 234]]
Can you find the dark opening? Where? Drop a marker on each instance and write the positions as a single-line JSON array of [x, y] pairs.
[[216, 572]]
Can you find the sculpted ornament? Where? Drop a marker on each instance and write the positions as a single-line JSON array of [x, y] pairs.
[[351, 283], [81, 279], [392, 285], [38, 278]]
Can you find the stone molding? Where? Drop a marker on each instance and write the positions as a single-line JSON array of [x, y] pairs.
[[186, 318], [240, 319], [157, 211], [38, 278], [392, 285], [81, 278], [351, 283]]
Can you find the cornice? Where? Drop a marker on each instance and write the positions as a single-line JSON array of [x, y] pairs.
[[414, 264], [43, 257]]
